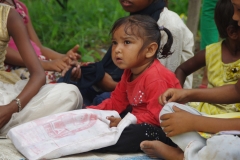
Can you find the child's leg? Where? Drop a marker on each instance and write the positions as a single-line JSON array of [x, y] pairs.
[[51, 99], [133, 135], [158, 149], [184, 139]]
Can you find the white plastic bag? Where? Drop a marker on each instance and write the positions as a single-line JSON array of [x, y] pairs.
[[67, 133]]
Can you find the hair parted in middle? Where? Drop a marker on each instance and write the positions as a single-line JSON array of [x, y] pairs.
[[147, 29]]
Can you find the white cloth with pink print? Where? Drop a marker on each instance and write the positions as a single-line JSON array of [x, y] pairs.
[[67, 133]]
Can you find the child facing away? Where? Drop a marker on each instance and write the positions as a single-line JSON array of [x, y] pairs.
[[183, 133], [135, 46], [222, 59], [52, 62], [27, 100], [105, 75]]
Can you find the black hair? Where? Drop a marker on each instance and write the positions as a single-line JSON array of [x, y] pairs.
[[147, 29], [223, 17]]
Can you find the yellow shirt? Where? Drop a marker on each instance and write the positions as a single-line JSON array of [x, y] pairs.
[[219, 74], [6, 77]]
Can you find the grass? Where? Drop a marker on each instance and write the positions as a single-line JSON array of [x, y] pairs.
[[84, 22]]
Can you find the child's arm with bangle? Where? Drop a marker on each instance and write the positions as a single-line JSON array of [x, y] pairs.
[[17, 30]]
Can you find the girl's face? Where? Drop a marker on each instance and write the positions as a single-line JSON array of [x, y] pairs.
[[126, 48], [134, 5], [236, 15]]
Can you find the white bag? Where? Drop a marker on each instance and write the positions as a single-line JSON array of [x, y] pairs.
[[67, 133]]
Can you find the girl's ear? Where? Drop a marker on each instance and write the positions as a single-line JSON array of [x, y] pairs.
[[232, 32], [151, 49]]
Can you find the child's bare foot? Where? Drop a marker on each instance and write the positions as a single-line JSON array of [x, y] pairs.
[[157, 149]]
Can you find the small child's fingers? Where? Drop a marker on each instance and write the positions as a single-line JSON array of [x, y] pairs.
[[111, 118], [63, 72], [76, 73]]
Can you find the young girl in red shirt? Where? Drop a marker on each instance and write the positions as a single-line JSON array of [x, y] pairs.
[[135, 46]]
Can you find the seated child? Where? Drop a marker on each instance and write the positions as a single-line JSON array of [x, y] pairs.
[[26, 100], [223, 145], [221, 60], [52, 62], [105, 75], [135, 44]]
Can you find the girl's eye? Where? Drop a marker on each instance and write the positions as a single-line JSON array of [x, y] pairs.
[[114, 42], [127, 42]]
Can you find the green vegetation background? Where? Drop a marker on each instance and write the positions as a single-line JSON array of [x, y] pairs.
[[83, 22]]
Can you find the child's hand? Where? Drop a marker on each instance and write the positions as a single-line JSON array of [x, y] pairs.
[[58, 65], [107, 83], [76, 71], [173, 95], [114, 121], [86, 63], [6, 112], [72, 53], [177, 123]]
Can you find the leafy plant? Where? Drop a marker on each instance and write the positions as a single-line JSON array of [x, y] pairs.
[[85, 22]]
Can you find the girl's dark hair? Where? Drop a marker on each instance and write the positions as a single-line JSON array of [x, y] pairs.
[[223, 17], [145, 27], [2, 1]]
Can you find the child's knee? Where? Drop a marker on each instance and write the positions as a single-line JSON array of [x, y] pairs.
[[168, 108]]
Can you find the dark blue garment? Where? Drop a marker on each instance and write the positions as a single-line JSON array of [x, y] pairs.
[[101, 97], [93, 73]]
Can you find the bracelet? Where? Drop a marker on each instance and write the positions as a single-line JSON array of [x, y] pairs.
[[18, 104]]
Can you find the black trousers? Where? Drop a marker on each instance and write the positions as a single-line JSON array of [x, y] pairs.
[[133, 135]]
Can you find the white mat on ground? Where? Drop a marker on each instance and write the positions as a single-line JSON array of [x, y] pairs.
[[67, 133], [9, 152]]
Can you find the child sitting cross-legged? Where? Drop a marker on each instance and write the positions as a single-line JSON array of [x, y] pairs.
[[135, 44]]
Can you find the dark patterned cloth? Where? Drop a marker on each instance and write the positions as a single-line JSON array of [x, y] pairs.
[[133, 135]]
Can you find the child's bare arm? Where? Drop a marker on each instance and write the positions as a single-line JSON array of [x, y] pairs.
[[17, 30], [107, 83], [190, 66], [13, 57], [225, 94], [182, 121]]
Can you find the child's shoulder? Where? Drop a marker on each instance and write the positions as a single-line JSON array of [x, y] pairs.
[[158, 72]]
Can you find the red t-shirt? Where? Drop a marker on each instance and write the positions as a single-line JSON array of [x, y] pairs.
[[142, 93]]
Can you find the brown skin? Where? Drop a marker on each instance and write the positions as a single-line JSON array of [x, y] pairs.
[[230, 53], [172, 125], [236, 5], [107, 83], [59, 61], [225, 94], [157, 149], [37, 79], [114, 121], [135, 5]]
